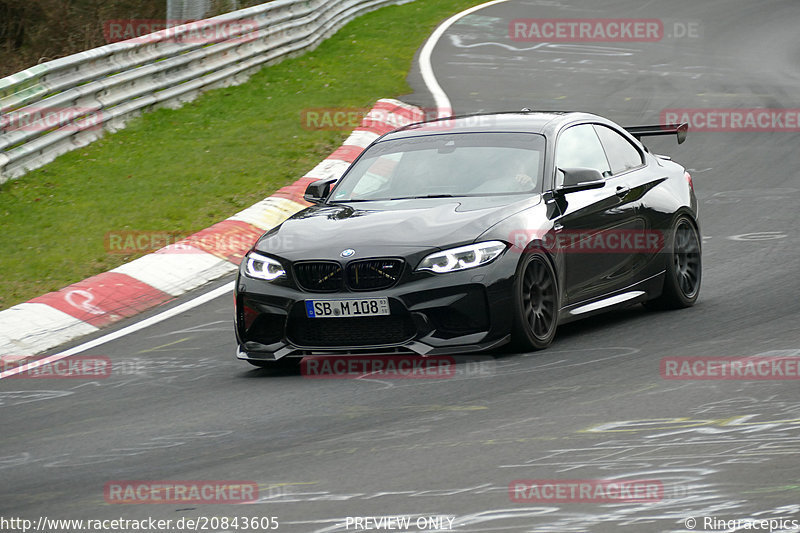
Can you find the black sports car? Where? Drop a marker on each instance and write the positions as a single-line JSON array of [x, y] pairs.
[[462, 234]]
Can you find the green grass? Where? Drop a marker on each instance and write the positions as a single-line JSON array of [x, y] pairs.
[[182, 170]]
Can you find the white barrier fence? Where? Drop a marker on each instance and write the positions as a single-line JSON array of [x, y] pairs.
[[65, 104]]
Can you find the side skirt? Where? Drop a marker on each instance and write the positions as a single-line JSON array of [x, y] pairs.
[[633, 294]]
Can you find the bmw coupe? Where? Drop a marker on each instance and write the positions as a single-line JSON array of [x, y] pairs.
[[466, 233]]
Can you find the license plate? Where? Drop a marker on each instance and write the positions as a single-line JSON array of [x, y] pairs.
[[347, 308]]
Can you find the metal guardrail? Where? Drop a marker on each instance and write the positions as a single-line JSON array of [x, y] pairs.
[[104, 87]]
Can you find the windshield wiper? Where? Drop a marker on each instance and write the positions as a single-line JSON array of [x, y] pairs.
[[351, 201], [390, 199], [425, 196]]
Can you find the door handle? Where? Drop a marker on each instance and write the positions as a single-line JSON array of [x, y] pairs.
[[622, 191]]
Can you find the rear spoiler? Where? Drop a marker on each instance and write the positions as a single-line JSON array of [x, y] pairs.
[[660, 129]]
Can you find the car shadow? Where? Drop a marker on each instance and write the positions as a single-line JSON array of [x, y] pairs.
[[610, 320]]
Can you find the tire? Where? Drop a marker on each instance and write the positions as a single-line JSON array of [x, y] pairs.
[[536, 303], [684, 268]]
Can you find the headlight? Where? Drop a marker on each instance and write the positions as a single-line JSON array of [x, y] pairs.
[[262, 267], [463, 258]]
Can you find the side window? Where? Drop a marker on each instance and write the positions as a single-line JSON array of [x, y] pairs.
[[622, 155], [579, 147]]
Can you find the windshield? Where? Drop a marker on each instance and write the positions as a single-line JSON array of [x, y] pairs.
[[455, 164]]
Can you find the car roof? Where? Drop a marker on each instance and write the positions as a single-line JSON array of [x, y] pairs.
[[540, 122]]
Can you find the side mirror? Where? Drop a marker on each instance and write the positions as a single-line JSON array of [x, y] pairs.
[[580, 179], [682, 131], [317, 191]]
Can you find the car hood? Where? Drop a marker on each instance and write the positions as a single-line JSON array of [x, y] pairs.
[[396, 227]]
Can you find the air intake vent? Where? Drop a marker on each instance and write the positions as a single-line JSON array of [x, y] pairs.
[[373, 274], [319, 276], [351, 332]]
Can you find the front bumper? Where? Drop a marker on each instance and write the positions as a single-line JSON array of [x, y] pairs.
[[430, 314]]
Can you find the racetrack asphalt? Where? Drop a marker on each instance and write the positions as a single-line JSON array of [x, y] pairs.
[[593, 406]]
